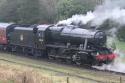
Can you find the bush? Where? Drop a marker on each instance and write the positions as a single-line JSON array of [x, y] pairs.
[[67, 8], [121, 33], [42, 11]]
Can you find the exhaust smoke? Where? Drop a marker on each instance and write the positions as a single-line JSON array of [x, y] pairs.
[[110, 9], [113, 10]]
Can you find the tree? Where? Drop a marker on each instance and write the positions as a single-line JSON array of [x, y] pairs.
[[42, 11], [8, 11], [121, 33], [20, 11], [48, 10], [28, 11], [67, 8]]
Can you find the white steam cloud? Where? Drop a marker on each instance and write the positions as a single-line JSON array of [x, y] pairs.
[[110, 9], [113, 10], [84, 19]]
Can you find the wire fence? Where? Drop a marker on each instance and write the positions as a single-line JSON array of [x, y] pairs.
[[70, 79], [78, 80], [58, 79], [55, 79]]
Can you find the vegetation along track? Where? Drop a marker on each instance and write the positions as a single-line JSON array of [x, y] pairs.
[[63, 69]]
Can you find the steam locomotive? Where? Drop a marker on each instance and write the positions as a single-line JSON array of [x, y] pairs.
[[59, 42]]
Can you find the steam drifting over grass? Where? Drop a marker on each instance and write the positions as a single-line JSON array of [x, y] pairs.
[[118, 65]]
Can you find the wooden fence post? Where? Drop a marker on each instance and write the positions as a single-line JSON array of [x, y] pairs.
[[68, 78], [24, 79], [120, 79]]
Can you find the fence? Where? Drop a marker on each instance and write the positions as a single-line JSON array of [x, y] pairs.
[[72, 79]]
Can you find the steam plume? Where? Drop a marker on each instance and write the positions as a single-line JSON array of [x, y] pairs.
[[111, 9]]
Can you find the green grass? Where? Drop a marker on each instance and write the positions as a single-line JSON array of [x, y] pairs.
[[7, 81], [120, 45]]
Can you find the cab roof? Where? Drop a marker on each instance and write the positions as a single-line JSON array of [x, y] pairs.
[[42, 27], [5, 25]]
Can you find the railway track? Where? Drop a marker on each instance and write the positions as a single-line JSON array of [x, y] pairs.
[[63, 64], [84, 66]]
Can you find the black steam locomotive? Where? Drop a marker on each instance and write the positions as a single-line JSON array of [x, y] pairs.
[[64, 42]]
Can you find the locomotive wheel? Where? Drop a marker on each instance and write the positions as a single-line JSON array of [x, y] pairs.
[[100, 64], [51, 58], [78, 62], [51, 54], [37, 53], [4, 48], [76, 58], [69, 61]]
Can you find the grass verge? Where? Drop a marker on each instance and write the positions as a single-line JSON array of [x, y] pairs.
[[15, 70]]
